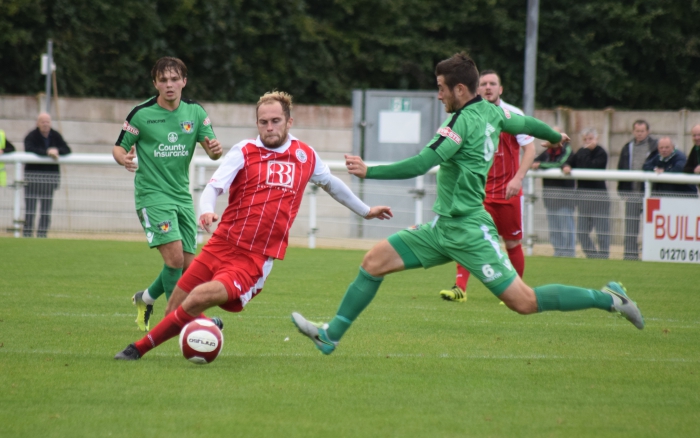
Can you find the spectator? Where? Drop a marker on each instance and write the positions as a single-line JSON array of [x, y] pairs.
[[42, 179], [593, 201], [632, 157], [692, 165], [5, 147], [558, 199], [667, 159]]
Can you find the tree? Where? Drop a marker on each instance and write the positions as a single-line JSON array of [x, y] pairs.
[[638, 54]]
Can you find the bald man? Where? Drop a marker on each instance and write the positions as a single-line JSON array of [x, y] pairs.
[[41, 179], [667, 159]]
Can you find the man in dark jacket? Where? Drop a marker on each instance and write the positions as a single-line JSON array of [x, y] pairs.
[[632, 157], [667, 159], [592, 197], [692, 165], [558, 198], [41, 179]]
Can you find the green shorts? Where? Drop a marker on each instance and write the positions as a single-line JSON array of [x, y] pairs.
[[470, 241], [169, 223]]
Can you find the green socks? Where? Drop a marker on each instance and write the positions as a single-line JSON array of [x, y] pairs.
[[360, 293], [155, 290], [165, 283], [170, 276], [567, 298]]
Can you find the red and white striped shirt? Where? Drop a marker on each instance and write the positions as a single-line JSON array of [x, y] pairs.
[[506, 160], [265, 190]]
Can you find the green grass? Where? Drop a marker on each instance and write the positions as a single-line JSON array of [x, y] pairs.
[[412, 365]]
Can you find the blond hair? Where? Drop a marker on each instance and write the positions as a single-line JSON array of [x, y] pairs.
[[285, 99]]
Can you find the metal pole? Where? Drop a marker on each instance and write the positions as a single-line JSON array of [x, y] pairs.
[[19, 183], [530, 209], [200, 188], [533, 11], [420, 192], [49, 71], [312, 216]]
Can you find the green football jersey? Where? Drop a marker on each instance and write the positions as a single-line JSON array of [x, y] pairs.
[[467, 142], [165, 142]]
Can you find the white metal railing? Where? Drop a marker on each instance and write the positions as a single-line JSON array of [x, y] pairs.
[[201, 163]]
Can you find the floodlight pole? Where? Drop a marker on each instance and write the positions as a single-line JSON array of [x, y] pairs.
[[49, 72], [533, 12]]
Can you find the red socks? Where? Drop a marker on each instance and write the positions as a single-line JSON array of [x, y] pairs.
[[168, 328], [462, 277], [517, 259]]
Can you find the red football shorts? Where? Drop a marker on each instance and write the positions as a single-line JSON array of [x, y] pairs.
[[508, 216], [242, 273]]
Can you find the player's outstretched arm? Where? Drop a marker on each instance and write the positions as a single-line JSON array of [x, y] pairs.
[[212, 147], [380, 212], [355, 166], [518, 124], [409, 168]]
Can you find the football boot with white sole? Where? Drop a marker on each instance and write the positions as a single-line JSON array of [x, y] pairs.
[[316, 332], [623, 304], [143, 311]]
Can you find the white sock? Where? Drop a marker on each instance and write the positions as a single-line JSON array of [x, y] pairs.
[[147, 298]]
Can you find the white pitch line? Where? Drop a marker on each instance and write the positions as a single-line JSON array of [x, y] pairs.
[[383, 355]]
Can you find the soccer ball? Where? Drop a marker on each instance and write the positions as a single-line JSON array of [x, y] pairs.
[[201, 341]]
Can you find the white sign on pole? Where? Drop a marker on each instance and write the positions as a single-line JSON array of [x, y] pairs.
[[44, 64], [671, 230], [399, 127]]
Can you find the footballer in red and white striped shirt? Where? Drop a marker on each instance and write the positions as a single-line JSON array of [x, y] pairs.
[[265, 178]]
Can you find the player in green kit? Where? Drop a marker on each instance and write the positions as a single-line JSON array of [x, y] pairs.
[[462, 231], [163, 132]]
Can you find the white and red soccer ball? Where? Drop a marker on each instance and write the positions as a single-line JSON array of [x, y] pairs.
[[201, 341]]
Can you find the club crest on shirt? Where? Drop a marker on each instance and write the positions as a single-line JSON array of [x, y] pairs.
[[128, 128], [449, 133], [187, 127], [164, 226], [280, 173], [301, 156]]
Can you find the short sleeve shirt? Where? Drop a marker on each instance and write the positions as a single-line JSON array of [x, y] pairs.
[[165, 142]]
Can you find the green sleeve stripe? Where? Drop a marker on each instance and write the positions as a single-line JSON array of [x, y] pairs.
[[440, 139], [149, 102]]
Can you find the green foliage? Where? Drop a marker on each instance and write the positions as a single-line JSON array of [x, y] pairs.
[[411, 365], [638, 54]]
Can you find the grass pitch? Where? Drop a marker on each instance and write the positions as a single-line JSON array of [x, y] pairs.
[[412, 365]]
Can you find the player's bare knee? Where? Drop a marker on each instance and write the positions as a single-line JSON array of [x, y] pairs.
[[520, 297], [371, 264], [523, 307]]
